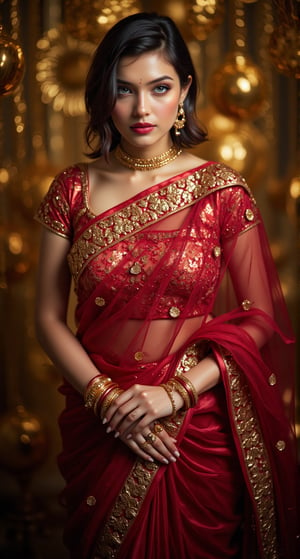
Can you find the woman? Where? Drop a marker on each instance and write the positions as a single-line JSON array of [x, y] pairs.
[[176, 443]]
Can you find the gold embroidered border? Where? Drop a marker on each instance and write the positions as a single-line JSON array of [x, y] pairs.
[[148, 210], [130, 500], [135, 488], [256, 459]]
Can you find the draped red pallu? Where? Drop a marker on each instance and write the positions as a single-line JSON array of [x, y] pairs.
[[177, 271]]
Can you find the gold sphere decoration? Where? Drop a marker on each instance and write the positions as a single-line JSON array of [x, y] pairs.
[[23, 441], [239, 145], [293, 200], [16, 250], [62, 69], [88, 21], [284, 49], [11, 64], [238, 88], [203, 16]]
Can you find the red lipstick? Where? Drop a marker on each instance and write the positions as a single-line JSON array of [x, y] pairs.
[[142, 127]]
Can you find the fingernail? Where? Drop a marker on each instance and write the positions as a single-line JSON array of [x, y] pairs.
[[104, 421], [165, 461], [177, 453], [109, 429], [129, 437], [116, 434], [173, 459], [150, 459]]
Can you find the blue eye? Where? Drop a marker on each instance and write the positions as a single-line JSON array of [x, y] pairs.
[[123, 90], [161, 89]]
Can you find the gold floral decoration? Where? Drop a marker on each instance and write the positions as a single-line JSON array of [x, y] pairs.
[[89, 21], [61, 70]]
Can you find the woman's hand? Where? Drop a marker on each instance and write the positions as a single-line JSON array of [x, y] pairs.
[[133, 416]]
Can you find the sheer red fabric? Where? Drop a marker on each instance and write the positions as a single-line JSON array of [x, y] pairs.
[[179, 270]]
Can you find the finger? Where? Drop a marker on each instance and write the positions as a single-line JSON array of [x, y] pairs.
[[163, 438], [157, 449], [123, 399], [142, 452], [125, 417]]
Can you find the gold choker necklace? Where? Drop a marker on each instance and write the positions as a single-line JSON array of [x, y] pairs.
[[139, 164]]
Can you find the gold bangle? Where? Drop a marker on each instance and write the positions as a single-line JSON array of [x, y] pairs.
[[168, 390], [191, 388], [93, 392], [183, 393]]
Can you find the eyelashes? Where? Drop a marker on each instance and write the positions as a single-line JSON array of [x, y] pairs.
[[123, 90]]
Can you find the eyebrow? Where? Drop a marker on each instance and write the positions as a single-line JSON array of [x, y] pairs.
[[160, 79]]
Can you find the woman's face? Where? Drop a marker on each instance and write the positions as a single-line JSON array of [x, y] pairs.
[[149, 93]]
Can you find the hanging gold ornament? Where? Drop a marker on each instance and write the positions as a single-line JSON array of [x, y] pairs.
[[284, 45], [177, 10], [203, 16], [11, 64], [16, 248], [88, 21], [284, 49], [237, 144], [23, 441], [61, 70], [237, 87], [293, 200]]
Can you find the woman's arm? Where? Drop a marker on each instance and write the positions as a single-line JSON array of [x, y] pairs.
[[52, 297]]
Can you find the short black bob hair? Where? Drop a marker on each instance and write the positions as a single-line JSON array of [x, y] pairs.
[[132, 36]]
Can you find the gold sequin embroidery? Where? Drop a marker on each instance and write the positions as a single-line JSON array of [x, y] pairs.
[[280, 445], [249, 215], [246, 305], [135, 269], [174, 312], [148, 210], [217, 251], [139, 356], [100, 302], [272, 379], [91, 501]]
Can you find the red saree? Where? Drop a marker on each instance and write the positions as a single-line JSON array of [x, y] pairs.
[[175, 272]]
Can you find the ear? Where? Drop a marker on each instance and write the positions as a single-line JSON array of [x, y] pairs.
[[185, 89]]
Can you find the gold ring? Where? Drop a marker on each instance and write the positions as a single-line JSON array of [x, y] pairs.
[[157, 428], [144, 445], [151, 438]]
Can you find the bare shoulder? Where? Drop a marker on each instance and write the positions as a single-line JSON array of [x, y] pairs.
[[193, 160], [187, 161]]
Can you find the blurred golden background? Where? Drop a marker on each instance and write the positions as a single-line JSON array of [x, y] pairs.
[[247, 55]]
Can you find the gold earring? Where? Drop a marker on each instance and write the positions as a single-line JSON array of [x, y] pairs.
[[180, 119]]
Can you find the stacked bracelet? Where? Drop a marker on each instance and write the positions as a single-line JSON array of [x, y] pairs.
[[100, 393], [189, 387], [181, 384]]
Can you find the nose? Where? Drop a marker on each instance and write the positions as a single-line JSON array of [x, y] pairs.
[[141, 107]]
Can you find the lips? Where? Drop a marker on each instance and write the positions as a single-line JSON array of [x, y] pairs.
[[142, 127]]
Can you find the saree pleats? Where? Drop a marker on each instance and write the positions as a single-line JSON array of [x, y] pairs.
[[196, 509]]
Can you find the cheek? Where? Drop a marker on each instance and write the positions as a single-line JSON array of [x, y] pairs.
[[169, 110], [118, 114]]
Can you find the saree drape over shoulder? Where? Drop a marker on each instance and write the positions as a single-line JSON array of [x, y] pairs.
[[179, 270]]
